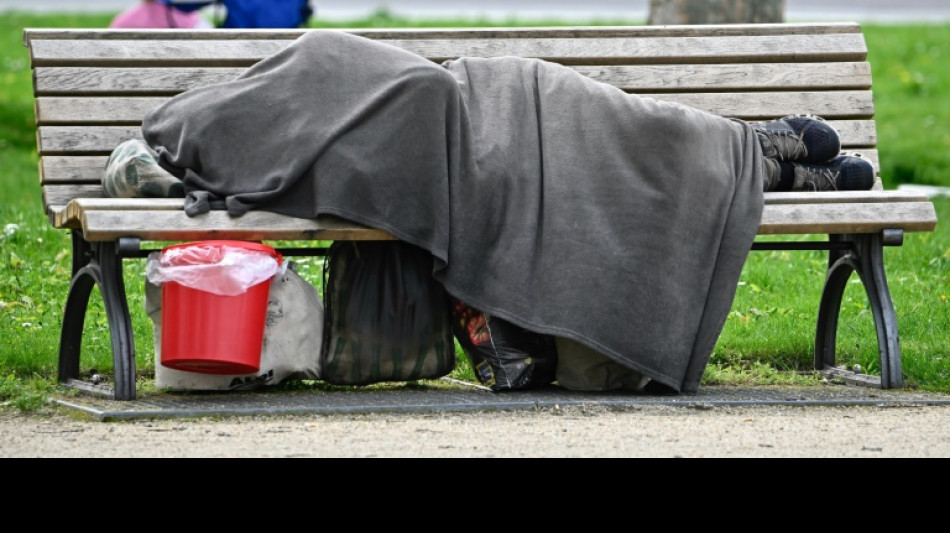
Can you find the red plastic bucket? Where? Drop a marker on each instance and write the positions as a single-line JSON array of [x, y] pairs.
[[213, 334]]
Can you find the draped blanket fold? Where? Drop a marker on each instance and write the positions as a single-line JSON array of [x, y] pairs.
[[553, 201]]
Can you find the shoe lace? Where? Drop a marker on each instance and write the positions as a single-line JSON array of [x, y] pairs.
[[819, 176], [798, 149]]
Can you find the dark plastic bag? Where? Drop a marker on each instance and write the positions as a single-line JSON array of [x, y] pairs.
[[504, 356], [387, 318]]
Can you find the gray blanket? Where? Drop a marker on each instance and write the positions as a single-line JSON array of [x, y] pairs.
[[558, 203]]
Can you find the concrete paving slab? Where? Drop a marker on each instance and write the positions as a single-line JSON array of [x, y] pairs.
[[441, 398]]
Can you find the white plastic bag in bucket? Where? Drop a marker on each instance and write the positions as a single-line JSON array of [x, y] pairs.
[[214, 266]]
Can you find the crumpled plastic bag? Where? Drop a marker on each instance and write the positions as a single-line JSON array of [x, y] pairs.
[[222, 270], [505, 357], [387, 318]]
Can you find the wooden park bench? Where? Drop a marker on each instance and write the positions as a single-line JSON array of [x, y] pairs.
[[93, 88]]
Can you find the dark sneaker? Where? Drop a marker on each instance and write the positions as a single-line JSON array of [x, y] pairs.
[[799, 138], [844, 173], [779, 176]]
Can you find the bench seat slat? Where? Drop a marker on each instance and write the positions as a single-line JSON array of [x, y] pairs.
[[828, 218], [109, 219], [670, 50], [254, 225], [95, 81], [842, 197], [55, 197]]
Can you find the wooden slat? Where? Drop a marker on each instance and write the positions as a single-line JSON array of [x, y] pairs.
[[77, 140], [128, 81], [640, 50], [842, 197], [56, 197], [78, 110], [70, 215], [101, 81], [831, 105], [169, 222], [601, 32], [660, 50], [64, 170], [801, 219], [254, 225], [72, 169], [154, 53], [57, 219], [856, 133], [734, 77], [76, 207]]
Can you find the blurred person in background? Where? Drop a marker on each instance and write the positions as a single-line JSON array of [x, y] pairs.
[[250, 13], [158, 14]]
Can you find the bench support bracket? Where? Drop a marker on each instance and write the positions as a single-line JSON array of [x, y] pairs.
[[865, 256], [97, 264]]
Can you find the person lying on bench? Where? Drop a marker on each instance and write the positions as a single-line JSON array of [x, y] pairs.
[[800, 153]]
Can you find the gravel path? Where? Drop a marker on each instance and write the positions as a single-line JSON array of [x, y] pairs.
[[589, 432]]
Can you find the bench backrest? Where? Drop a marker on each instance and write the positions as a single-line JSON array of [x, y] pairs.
[[93, 87]]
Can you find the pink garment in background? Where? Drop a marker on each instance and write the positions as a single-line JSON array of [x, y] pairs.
[[156, 15]]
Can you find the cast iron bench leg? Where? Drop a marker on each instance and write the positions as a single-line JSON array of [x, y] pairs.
[[866, 257], [98, 264]]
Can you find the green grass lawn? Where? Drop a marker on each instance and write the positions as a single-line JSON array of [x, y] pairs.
[[768, 337]]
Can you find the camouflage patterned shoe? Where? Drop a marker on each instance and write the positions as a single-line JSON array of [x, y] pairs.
[[849, 172], [799, 138], [132, 171]]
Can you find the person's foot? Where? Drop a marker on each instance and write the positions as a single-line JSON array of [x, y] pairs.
[[798, 138], [848, 172]]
